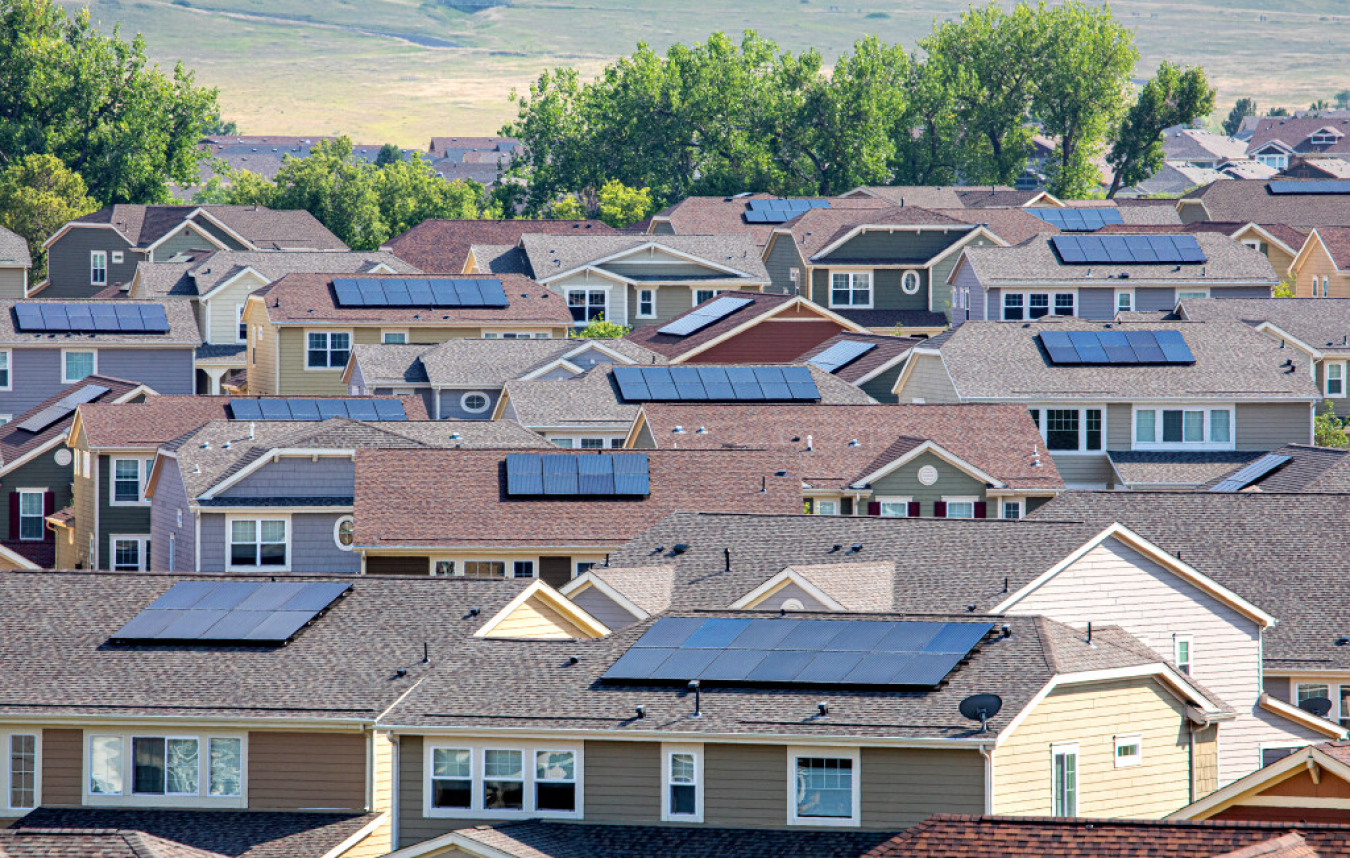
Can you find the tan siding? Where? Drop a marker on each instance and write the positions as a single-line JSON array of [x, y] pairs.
[[904, 786], [1266, 426], [534, 620], [261, 358], [1092, 715], [928, 380], [623, 782], [306, 771], [1317, 264], [1119, 432], [1205, 749], [12, 281], [412, 827], [296, 379], [84, 497], [1084, 470], [62, 766], [745, 785], [381, 840]]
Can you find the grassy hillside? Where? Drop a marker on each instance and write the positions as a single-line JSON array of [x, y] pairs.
[[403, 70]]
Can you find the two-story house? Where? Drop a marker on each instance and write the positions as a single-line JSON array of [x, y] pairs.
[[15, 260], [1319, 268], [441, 245], [1127, 404], [1277, 139], [100, 250]]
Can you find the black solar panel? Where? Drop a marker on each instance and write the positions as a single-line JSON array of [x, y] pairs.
[[793, 651], [1250, 474], [234, 612], [1128, 249], [780, 210], [701, 317], [1322, 186], [122, 317], [1066, 348], [841, 354], [577, 475], [419, 292], [1078, 220], [716, 384], [373, 410], [62, 408]]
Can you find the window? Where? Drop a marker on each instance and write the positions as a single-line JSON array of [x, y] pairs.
[[1061, 428], [5, 382], [960, 507], [825, 788], [394, 338], [1276, 160], [565, 443], [555, 781], [592, 443], [1325, 281], [443, 567], [88, 469], [851, 289], [22, 768], [452, 778], [1065, 779], [1218, 427], [701, 295], [258, 543], [909, 282], [117, 257], [105, 765], [328, 349], [1182, 645], [167, 766], [1129, 751], [1192, 295], [98, 268], [164, 766], [823, 506], [30, 516], [484, 569], [1124, 301], [583, 567], [1038, 305], [226, 767], [894, 507], [1183, 428], [682, 799], [523, 568], [129, 480], [1064, 304], [77, 365], [472, 779], [646, 303], [1335, 376], [475, 402], [587, 305], [240, 326], [344, 533], [1012, 509], [1012, 306], [1322, 138], [130, 553], [1311, 691]]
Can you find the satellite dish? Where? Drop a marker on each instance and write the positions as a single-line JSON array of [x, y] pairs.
[[981, 707], [1319, 706]]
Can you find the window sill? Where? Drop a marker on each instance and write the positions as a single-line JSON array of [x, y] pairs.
[[824, 822], [446, 813], [162, 801]]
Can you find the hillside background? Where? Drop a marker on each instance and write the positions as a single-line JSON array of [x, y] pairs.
[[402, 71]]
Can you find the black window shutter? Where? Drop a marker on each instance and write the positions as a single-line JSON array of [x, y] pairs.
[[874, 508]]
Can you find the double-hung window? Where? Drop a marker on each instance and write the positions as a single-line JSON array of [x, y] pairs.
[[1020, 306], [503, 782], [20, 776], [1013, 306], [162, 768], [31, 514], [1070, 429], [1124, 301], [259, 543], [1182, 646], [960, 507], [851, 289], [6, 382], [98, 268], [328, 349], [1012, 509], [646, 303], [825, 788], [1335, 378], [682, 795], [587, 305], [1183, 428], [1064, 304], [128, 485], [1064, 764], [78, 364], [130, 553], [701, 295]]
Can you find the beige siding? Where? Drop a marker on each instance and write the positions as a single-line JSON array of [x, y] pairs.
[[83, 502], [623, 782], [788, 590], [12, 281], [1092, 716], [1317, 264], [381, 840], [1119, 433], [745, 785], [261, 358], [1266, 426], [903, 786], [534, 620], [62, 767], [1084, 470], [296, 379], [618, 308], [222, 306], [306, 771], [928, 380], [1206, 761]]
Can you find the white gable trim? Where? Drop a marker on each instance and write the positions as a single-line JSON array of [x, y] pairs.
[[587, 269], [909, 366], [225, 284], [656, 245], [885, 366], [868, 227], [1267, 236], [937, 450], [560, 363], [187, 222], [1263, 778], [455, 840], [270, 457], [1047, 199], [587, 580], [361, 834], [1292, 713], [961, 243], [217, 221], [18, 559], [771, 586], [593, 344], [554, 599], [1274, 331], [1307, 247]]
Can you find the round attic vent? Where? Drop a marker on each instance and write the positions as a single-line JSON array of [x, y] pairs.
[[928, 475]]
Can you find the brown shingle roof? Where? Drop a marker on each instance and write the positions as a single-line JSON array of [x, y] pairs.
[[888, 349], [818, 228], [15, 442], [1249, 201], [442, 245], [726, 215], [265, 228], [1013, 225], [672, 346]]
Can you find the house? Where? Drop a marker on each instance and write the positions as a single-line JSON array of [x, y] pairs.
[[466, 513], [743, 214], [463, 378], [217, 284], [1302, 167], [734, 326], [1309, 785], [1276, 241], [1096, 277], [1198, 147], [441, 245], [301, 328], [1277, 139], [1302, 204], [872, 362], [15, 260], [102, 249], [1172, 180], [1221, 388], [263, 493], [35, 468], [971, 461], [1298, 468], [627, 279], [1320, 268], [46, 346]]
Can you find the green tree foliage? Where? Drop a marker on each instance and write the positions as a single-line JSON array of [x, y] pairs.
[[1175, 96], [622, 206], [1328, 429], [38, 195], [1342, 99], [1245, 107], [96, 103], [218, 127], [388, 154], [567, 208], [1286, 288], [600, 328], [1278, 111]]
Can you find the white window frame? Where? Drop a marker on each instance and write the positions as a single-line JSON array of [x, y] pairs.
[[142, 476], [1320, 139], [1020, 503], [1041, 420], [1156, 443], [98, 262], [258, 520], [7, 358], [853, 754], [694, 290], [128, 798], [638, 314], [42, 498], [1062, 749], [337, 532], [240, 326], [7, 771], [911, 276], [1135, 740], [1253, 243], [816, 502], [396, 332], [587, 291], [1326, 378], [1052, 296], [970, 499], [65, 377], [881, 502], [1188, 666], [327, 349], [529, 756], [853, 278], [667, 752], [142, 541], [463, 401], [1128, 295], [118, 257], [1192, 294]]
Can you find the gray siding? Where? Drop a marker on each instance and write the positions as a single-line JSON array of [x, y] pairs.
[[900, 247], [951, 482], [928, 381], [12, 281], [452, 410], [903, 786], [165, 370], [1084, 470], [1267, 426], [297, 477], [966, 279], [662, 228], [879, 387], [68, 262], [1254, 291], [171, 497], [1278, 687], [312, 545], [412, 828], [598, 605], [123, 520], [39, 473], [1096, 304], [1155, 298], [1119, 434], [426, 393], [782, 257]]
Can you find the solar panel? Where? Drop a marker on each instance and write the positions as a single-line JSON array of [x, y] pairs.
[[1326, 186], [1078, 220], [92, 318], [419, 292], [573, 475], [62, 408], [1119, 347], [716, 384], [841, 354], [235, 612], [1250, 474], [276, 408], [1127, 249], [701, 317], [790, 651]]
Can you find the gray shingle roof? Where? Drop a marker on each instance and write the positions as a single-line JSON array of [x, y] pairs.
[[1249, 201], [207, 271], [15, 442], [887, 350], [1309, 469], [1197, 144], [183, 330], [1320, 324], [13, 249], [550, 255], [1144, 469], [475, 361], [269, 229]]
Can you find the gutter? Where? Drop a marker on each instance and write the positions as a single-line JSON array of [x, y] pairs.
[[988, 741]]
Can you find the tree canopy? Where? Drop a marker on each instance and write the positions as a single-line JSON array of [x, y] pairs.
[[1245, 107], [1175, 96], [38, 196]]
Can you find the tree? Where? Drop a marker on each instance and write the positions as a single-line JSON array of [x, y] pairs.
[[1278, 111], [97, 104], [1286, 288], [388, 154], [1328, 429], [217, 127], [1175, 96], [622, 206], [1343, 99], [567, 208], [599, 328], [1245, 107], [38, 196]]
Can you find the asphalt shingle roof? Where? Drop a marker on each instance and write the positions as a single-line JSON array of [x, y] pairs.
[[550, 255], [887, 349], [1249, 201], [726, 215], [265, 228], [15, 442], [1309, 470], [183, 330], [761, 303], [1145, 468], [13, 249], [206, 271], [470, 361], [441, 245], [1320, 324]]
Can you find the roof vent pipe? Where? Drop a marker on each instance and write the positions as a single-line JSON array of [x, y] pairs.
[[1089, 637], [252, 427], [726, 559], [694, 687], [810, 443]]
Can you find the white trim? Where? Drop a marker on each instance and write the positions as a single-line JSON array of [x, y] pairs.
[[327, 349], [1207, 411], [1059, 749], [1135, 740], [528, 750], [230, 281], [142, 541], [590, 579], [337, 527], [795, 752], [149, 250], [258, 517], [918, 281], [567, 291], [637, 312], [668, 750], [271, 457], [9, 369], [66, 379], [1299, 716], [7, 770], [970, 499], [1264, 777], [365, 831], [943, 454], [463, 401], [571, 610], [777, 582], [750, 322], [248, 245], [594, 264], [852, 273], [143, 466], [128, 798], [93, 254]]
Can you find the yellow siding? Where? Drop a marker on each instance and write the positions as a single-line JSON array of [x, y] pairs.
[[1316, 265], [1092, 716], [222, 307], [381, 840], [534, 620], [83, 501], [262, 353]]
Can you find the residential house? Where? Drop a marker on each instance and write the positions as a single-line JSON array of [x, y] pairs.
[[35, 468], [46, 346], [1198, 147], [1172, 180], [627, 279], [958, 461], [872, 362], [1278, 242], [301, 328], [463, 378], [102, 249], [1223, 390], [1302, 167], [1310, 785], [15, 260], [217, 284], [755, 327], [441, 245], [735, 215], [1302, 204], [1322, 267], [1096, 277], [1277, 139], [276, 495]]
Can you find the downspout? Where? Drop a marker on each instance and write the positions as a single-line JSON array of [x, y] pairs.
[[988, 754], [395, 792]]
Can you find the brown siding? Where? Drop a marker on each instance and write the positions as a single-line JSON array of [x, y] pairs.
[[745, 785], [556, 571], [771, 341], [1204, 762], [1246, 813], [394, 565], [904, 786], [623, 782], [62, 766], [306, 771]]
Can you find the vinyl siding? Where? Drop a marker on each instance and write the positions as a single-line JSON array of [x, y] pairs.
[[886, 291], [951, 482], [1316, 265], [12, 282], [1256, 290], [929, 381], [261, 357], [941, 291], [164, 370], [1114, 584], [84, 500], [879, 387], [745, 786], [171, 497], [412, 827], [185, 238], [901, 246], [600, 606], [1340, 405], [294, 476], [534, 620], [555, 571], [62, 767], [1097, 303], [623, 782], [306, 771], [618, 309], [1205, 765], [122, 519], [904, 786], [296, 379], [1092, 716], [1266, 426], [222, 304], [41, 472], [68, 262], [1155, 298], [312, 545], [451, 409], [1119, 426], [1081, 470], [789, 590], [381, 840], [781, 258], [966, 280]]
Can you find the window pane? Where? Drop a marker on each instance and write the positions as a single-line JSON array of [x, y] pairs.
[[960, 509], [31, 503], [273, 531], [1195, 426], [556, 765], [503, 780], [556, 776], [1012, 307], [1063, 305], [126, 555], [22, 771], [451, 772], [503, 764], [1093, 428], [181, 766], [895, 509], [824, 787], [1066, 784], [523, 568], [147, 756], [682, 768], [1038, 305], [1012, 509], [1171, 427], [1218, 426], [451, 763], [1144, 427], [227, 757], [105, 765], [1311, 692], [683, 799], [242, 531], [1061, 428]]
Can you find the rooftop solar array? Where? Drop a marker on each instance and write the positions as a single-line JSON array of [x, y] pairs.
[[570, 475], [1250, 474], [1067, 348], [92, 318], [1128, 249], [379, 410], [797, 651], [841, 354], [1323, 186], [1078, 220], [701, 317], [63, 408], [716, 384], [420, 292], [780, 211], [230, 612]]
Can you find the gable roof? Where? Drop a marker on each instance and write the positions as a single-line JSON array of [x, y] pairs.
[[924, 196], [726, 215], [471, 361], [886, 352], [204, 272], [551, 255], [264, 228], [1199, 144], [15, 443], [441, 245], [1323, 325], [1012, 225], [1296, 132], [13, 250], [1291, 238], [183, 330], [1249, 201], [817, 231]]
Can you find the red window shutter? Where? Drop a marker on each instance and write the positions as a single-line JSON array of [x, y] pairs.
[[13, 515], [874, 507], [914, 509], [981, 509], [48, 507], [939, 509]]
